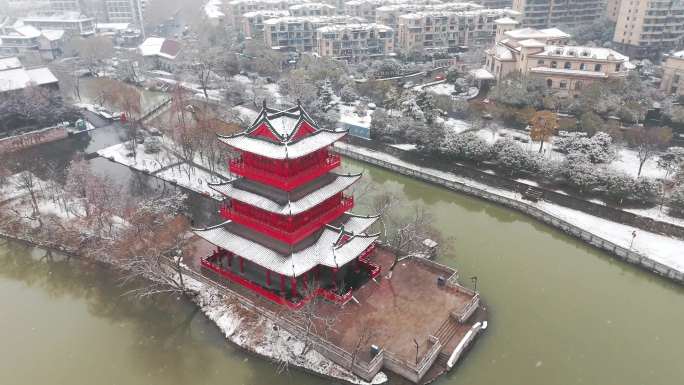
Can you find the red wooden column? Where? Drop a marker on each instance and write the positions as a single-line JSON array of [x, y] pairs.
[[242, 265], [268, 277], [293, 283], [230, 259], [305, 278], [282, 283]]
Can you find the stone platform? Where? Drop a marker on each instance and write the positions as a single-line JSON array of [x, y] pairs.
[[415, 321]]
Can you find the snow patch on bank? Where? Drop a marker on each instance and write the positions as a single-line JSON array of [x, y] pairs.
[[258, 334]]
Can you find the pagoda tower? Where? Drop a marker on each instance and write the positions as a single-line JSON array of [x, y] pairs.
[[288, 233]]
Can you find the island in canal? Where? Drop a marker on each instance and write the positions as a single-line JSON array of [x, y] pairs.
[[289, 249]]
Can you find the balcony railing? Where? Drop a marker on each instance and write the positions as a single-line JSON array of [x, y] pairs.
[[289, 237], [287, 183], [208, 263], [373, 269]]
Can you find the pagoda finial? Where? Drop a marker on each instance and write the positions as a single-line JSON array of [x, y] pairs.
[[299, 103]]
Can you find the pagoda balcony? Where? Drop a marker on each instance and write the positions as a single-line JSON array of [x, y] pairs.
[[290, 237], [284, 182]]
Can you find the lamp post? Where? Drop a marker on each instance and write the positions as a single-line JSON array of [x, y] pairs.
[[634, 234], [473, 279]]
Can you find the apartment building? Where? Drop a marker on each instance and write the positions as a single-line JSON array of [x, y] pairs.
[[389, 14], [124, 11], [298, 34], [252, 23], [448, 31], [673, 74], [545, 54], [65, 5], [73, 23], [312, 9], [354, 42], [367, 8], [551, 13], [236, 8], [16, 38], [648, 27]]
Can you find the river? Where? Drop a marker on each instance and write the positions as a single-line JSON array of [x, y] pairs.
[[560, 312]]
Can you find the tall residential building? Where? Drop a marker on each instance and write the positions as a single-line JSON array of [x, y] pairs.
[[312, 9], [553, 13], [65, 5], [236, 8], [648, 27], [124, 11], [613, 9], [252, 23], [354, 42], [448, 31]]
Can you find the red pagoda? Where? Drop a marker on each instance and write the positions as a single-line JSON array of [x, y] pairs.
[[288, 233]]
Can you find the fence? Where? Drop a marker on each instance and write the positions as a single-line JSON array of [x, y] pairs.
[[33, 138], [623, 253]]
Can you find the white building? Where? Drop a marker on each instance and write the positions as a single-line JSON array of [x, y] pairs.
[[14, 77], [299, 33], [70, 22]]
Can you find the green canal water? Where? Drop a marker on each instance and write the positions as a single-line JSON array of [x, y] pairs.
[[560, 313]]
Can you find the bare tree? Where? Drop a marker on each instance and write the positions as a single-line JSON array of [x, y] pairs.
[[648, 142], [93, 51]]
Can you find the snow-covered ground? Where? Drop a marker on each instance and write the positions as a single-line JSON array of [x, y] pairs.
[[348, 115], [164, 165], [666, 250], [246, 114], [142, 161]]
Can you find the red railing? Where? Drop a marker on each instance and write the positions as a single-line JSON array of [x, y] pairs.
[[283, 235], [287, 183], [373, 269], [269, 295]]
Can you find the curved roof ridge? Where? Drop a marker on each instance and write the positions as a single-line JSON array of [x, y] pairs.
[[212, 227]]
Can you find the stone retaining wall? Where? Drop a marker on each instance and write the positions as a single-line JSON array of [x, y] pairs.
[[29, 139]]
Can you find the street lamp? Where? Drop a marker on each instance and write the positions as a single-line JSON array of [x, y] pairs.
[[473, 279]]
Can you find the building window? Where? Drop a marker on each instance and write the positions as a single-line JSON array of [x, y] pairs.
[[618, 66], [549, 83], [583, 66], [567, 65], [563, 84], [540, 62], [676, 78], [578, 85], [673, 90], [554, 64], [597, 67]]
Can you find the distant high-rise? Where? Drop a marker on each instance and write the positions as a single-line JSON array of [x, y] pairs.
[[65, 5], [553, 13], [648, 27]]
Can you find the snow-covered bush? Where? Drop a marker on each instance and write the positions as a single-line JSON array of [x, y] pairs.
[[467, 146], [598, 149], [676, 201], [581, 173], [512, 156], [645, 191], [617, 186]]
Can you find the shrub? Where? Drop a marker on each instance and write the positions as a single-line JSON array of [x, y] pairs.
[[676, 202], [467, 146]]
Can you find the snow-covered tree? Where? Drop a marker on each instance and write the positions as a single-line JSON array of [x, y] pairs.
[[348, 94], [426, 104], [598, 149], [513, 157], [542, 127], [672, 160], [648, 142]]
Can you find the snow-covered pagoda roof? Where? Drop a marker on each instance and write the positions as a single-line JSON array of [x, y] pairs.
[[283, 134], [281, 202], [332, 247]]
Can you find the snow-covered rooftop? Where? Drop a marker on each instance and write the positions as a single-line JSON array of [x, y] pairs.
[[444, 13], [311, 6], [327, 250], [506, 21], [13, 76], [112, 26], [354, 27], [272, 201], [572, 51], [266, 13], [316, 20], [547, 70], [68, 16], [212, 9], [539, 34], [159, 46]]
